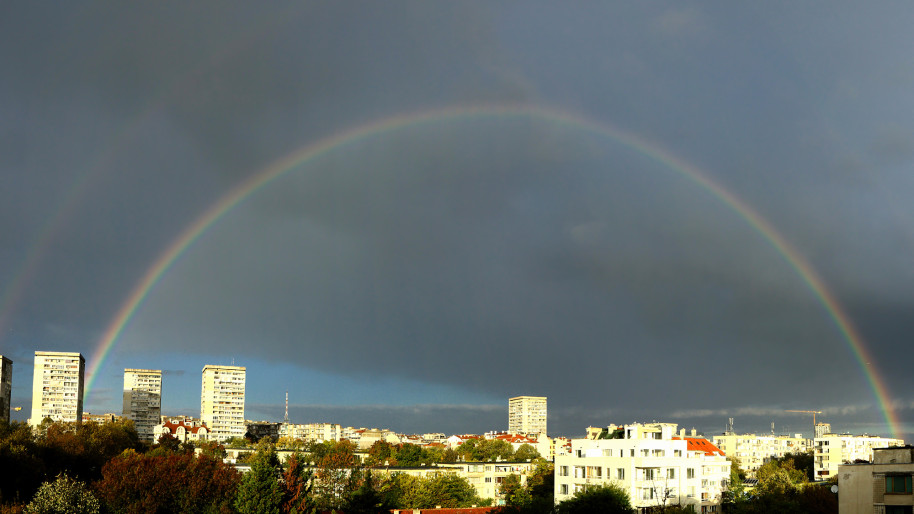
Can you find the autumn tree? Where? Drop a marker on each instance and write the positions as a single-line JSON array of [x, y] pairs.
[[297, 483], [514, 493], [21, 468], [136, 483]]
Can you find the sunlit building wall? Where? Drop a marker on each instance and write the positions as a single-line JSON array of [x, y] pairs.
[[832, 450], [57, 387], [222, 401], [651, 463], [527, 415], [143, 400], [752, 451], [6, 387]]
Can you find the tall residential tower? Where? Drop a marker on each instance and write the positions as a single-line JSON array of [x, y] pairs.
[[57, 387], [222, 401], [143, 400], [6, 387], [527, 415]]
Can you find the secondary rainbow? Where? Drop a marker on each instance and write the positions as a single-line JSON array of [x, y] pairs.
[[334, 142]]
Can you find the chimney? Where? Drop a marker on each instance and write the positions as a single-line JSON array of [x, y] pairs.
[[681, 432], [694, 433]]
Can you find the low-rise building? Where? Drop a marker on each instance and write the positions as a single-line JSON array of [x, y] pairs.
[[883, 486], [832, 450], [182, 428], [651, 463], [751, 451]]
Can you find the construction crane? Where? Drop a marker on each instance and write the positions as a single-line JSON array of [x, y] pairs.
[[813, 412]]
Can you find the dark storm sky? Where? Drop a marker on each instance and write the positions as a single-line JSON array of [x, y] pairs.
[[418, 277]]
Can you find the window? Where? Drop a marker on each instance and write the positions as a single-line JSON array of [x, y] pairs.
[[899, 484], [620, 473], [671, 473], [563, 471], [690, 473], [563, 489]]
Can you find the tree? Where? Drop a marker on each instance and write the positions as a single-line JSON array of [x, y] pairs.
[[445, 490], [410, 455], [366, 499], [135, 483], [607, 499], [297, 483], [21, 468], [381, 454], [335, 475], [526, 452], [63, 496], [260, 491], [515, 494]]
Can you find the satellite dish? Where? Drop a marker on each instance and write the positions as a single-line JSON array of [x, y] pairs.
[[834, 489]]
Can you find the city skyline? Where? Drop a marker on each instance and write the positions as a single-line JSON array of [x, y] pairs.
[[406, 215]]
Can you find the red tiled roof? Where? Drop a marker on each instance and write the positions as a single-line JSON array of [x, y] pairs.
[[700, 444]]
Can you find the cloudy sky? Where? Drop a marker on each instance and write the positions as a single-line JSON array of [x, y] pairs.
[[516, 198]]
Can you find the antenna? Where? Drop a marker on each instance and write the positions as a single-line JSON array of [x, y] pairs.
[[286, 419]]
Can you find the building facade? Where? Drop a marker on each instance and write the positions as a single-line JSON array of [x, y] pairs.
[[883, 486], [57, 387], [832, 450], [527, 415], [222, 401], [143, 400], [651, 463], [752, 451], [6, 387], [319, 432], [182, 428]]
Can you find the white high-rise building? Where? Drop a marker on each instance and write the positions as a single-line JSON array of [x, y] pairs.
[[222, 401], [6, 387], [57, 387], [143, 400], [832, 450], [527, 415]]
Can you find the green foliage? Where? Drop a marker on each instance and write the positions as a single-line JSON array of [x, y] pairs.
[[63, 496], [515, 494], [485, 450], [367, 499], [608, 499], [403, 491], [237, 442], [136, 483], [260, 491], [526, 452], [337, 473]]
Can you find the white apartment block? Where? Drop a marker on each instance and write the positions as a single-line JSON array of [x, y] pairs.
[[6, 387], [319, 432], [485, 477], [527, 415], [57, 387], [222, 401], [752, 451], [656, 467], [832, 450], [143, 400]]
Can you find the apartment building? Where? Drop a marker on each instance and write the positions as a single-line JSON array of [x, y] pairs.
[[485, 477], [527, 415], [752, 451], [319, 432], [222, 401], [6, 387], [57, 387], [143, 400], [883, 486], [832, 450], [649, 461]]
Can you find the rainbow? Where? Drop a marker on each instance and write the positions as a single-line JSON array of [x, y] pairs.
[[357, 134]]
